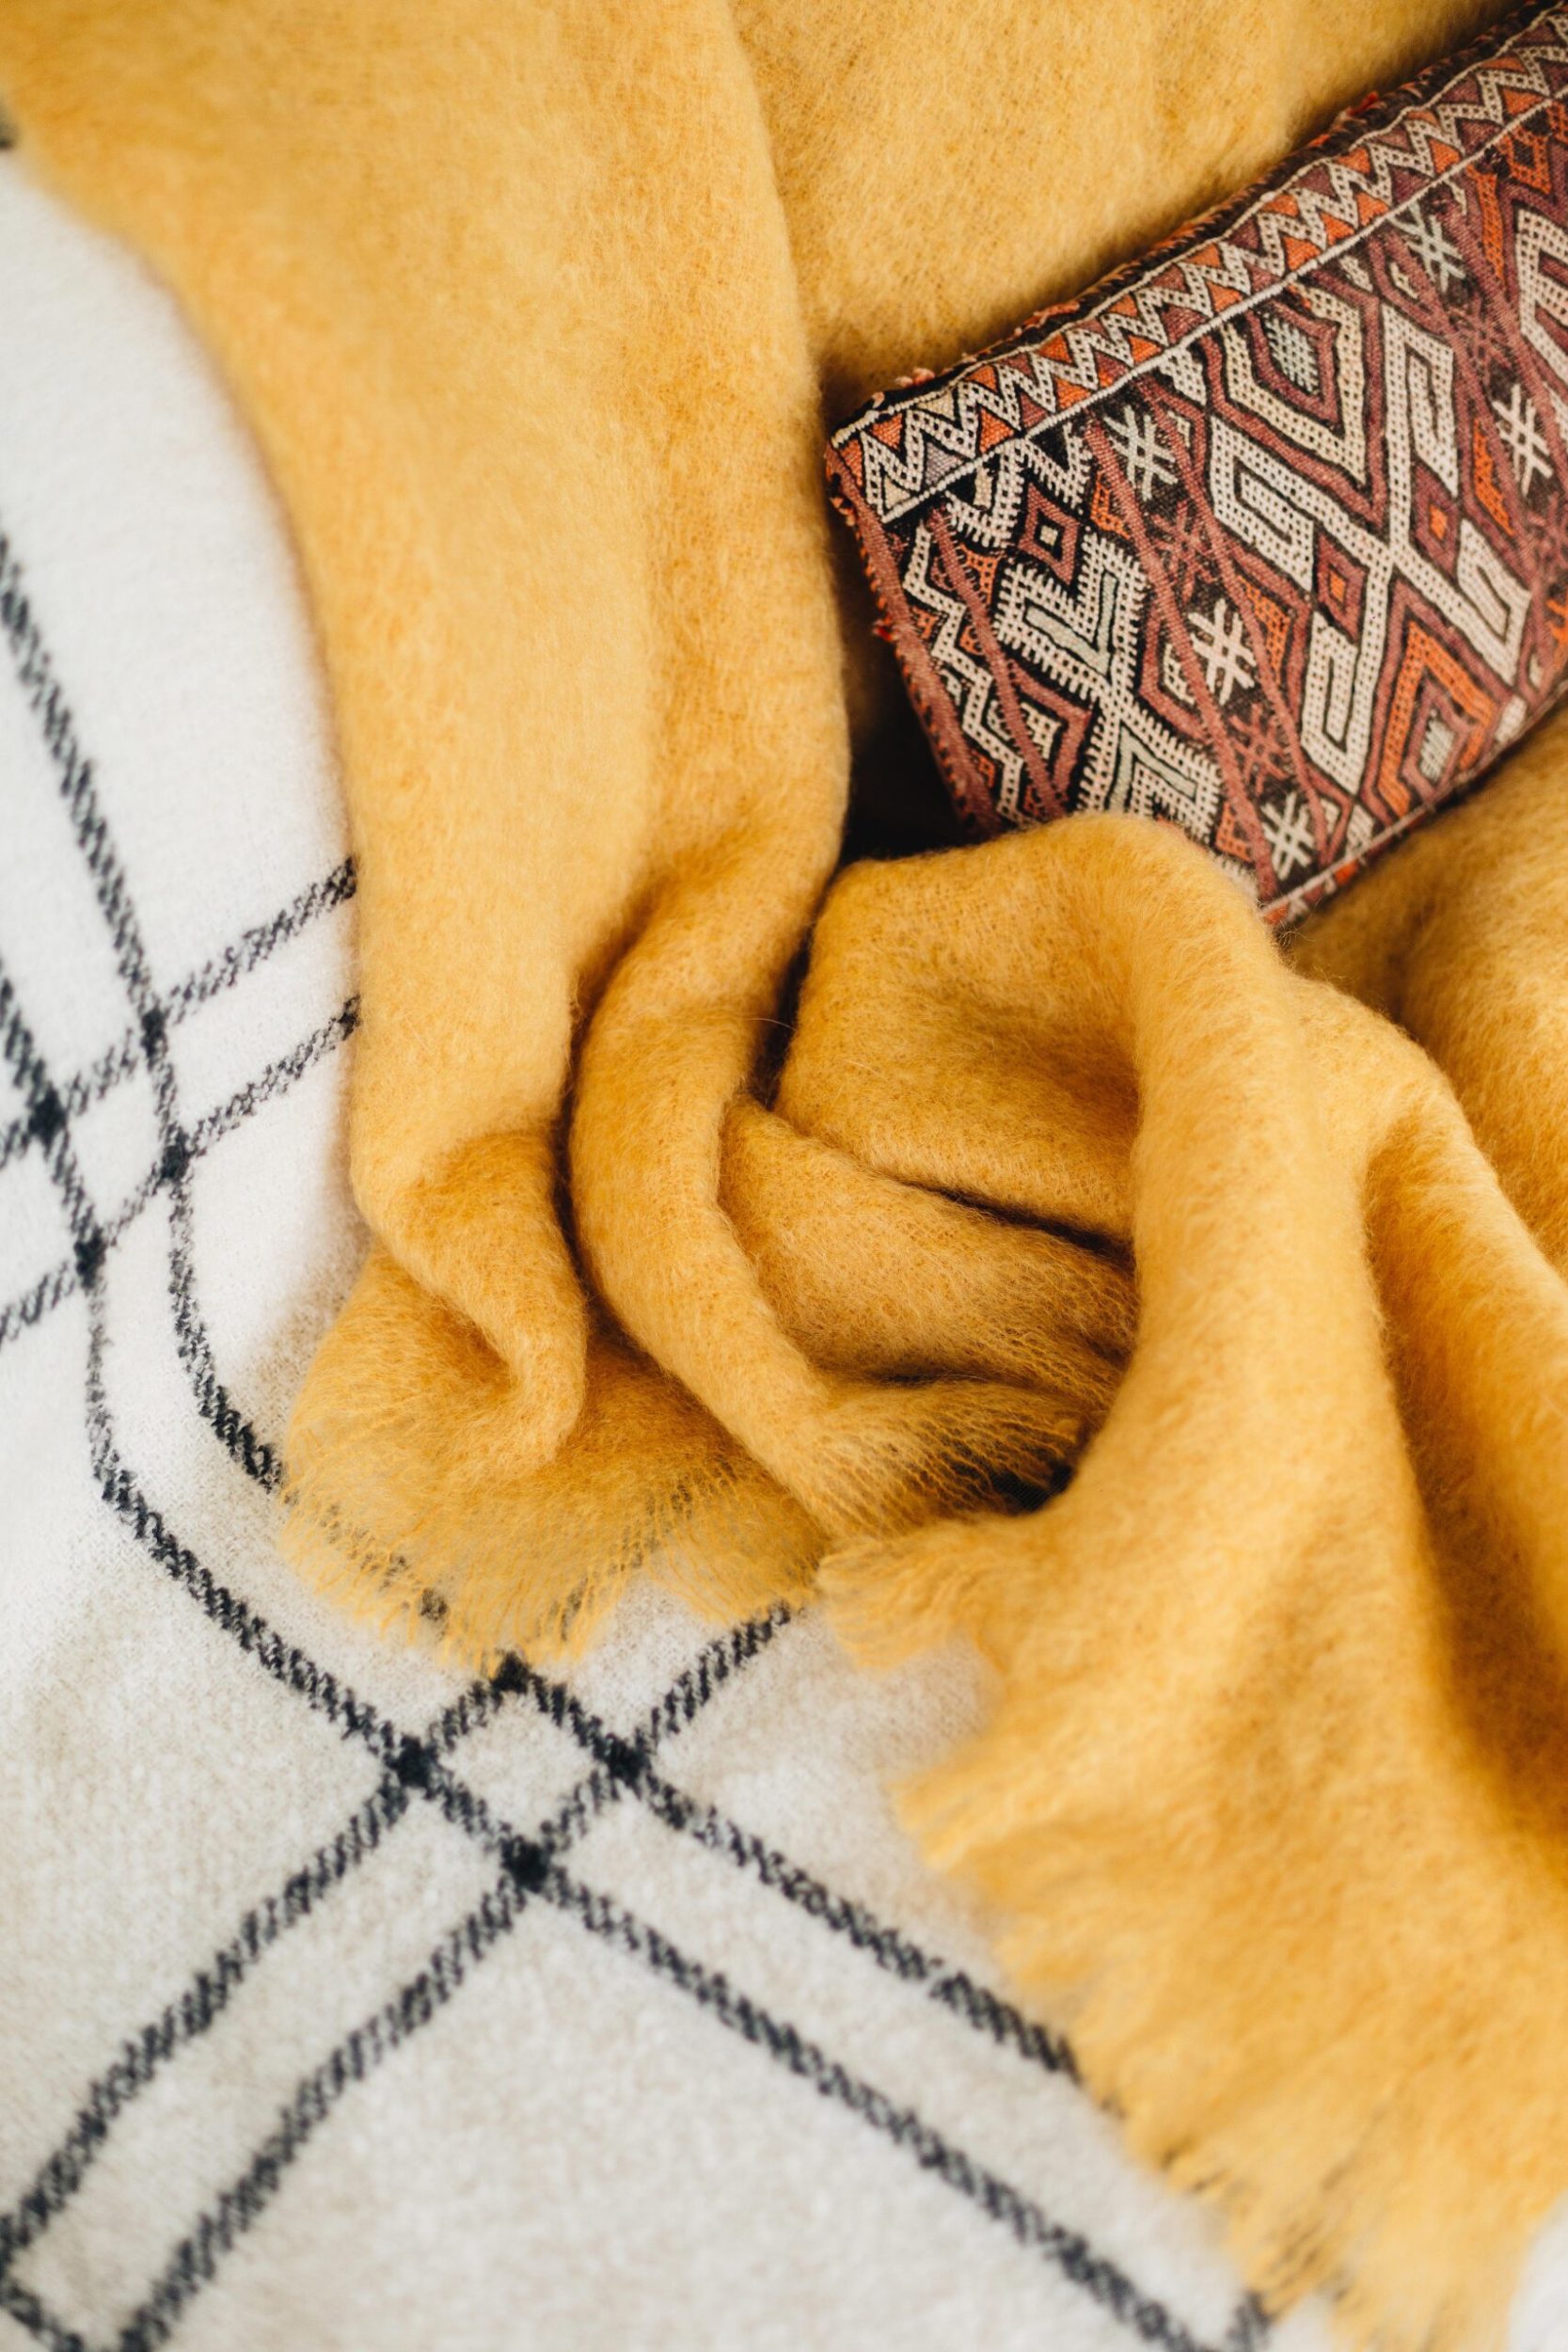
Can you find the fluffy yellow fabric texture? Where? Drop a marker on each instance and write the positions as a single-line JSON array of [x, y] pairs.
[[535, 312]]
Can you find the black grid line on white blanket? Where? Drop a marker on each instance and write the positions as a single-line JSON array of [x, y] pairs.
[[63, 1280], [127, 1055], [531, 1866]]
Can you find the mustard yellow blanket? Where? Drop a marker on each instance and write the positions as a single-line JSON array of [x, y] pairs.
[[690, 1265]]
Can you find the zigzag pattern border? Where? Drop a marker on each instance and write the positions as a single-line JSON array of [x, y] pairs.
[[910, 443]]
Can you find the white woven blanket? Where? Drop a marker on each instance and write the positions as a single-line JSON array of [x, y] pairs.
[[347, 2002]]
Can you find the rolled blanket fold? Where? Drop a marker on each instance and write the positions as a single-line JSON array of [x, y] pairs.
[[1271, 1803]]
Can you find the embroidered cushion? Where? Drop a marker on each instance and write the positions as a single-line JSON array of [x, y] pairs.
[[1265, 535]]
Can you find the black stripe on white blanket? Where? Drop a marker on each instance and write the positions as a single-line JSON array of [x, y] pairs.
[[79, 792], [126, 1056], [464, 1949], [530, 1867], [203, 2000], [63, 1280], [629, 1763]]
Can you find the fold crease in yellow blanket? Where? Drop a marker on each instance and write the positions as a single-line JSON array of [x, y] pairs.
[[1046, 1258]]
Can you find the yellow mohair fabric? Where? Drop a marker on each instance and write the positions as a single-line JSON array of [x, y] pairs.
[[537, 311]]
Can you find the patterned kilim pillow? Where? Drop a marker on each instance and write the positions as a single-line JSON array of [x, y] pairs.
[[1267, 535]]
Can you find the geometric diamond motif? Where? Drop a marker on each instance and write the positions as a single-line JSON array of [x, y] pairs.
[[1267, 533]]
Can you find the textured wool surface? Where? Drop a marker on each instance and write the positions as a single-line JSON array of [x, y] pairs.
[[533, 313], [296, 2055]]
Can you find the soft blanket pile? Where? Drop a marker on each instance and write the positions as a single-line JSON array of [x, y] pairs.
[[289, 2057], [1055, 1162]]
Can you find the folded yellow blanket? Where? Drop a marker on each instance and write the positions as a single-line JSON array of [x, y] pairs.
[[1053, 1164]]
